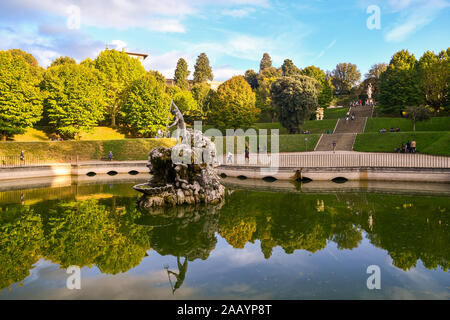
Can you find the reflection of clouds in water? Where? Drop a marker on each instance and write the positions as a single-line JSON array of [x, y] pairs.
[[238, 257], [152, 285]]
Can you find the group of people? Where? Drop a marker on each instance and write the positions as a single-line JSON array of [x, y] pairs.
[[350, 116], [358, 103], [391, 130], [409, 147]]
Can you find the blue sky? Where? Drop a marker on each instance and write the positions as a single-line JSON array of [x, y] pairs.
[[233, 33]]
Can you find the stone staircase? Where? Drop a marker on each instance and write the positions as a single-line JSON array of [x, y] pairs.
[[345, 132]]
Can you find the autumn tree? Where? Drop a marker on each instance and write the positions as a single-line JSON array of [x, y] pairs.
[[295, 99], [203, 94], [181, 74], [146, 106], [73, 98], [202, 69], [118, 71], [188, 106], [233, 105], [20, 97]]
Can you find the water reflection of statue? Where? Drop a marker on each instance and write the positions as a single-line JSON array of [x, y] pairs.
[[182, 269]]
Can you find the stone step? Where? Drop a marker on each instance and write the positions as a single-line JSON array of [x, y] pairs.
[[344, 142], [363, 112], [350, 126]]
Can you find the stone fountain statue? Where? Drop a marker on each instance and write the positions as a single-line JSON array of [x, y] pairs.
[[183, 174], [369, 91]]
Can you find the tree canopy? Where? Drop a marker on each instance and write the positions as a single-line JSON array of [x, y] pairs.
[[118, 71], [146, 106], [345, 77], [20, 96], [181, 74], [233, 104], [295, 99], [266, 62], [74, 99], [202, 69]]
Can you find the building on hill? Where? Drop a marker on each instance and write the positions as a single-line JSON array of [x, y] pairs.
[[213, 84], [140, 56]]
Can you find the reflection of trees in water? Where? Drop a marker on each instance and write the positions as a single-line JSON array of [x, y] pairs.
[[20, 240], [113, 235], [410, 228]]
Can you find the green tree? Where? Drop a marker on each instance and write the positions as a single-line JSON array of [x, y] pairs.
[[252, 78], [202, 69], [326, 93], [314, 72], [118, 71], [29, 58], [20, 97], [289, 69], [417, 113], [373, 77], [182, 74], [159, 76], [233, 104], [188, 106], [295, 99], [62, 60], [263, 97], [74, 98], [345, 77], [399, 84], [266, 62], [203, 94], [146, 106], [434, 73]]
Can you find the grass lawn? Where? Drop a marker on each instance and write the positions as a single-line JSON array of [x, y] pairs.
[[102, 133], [437, 143], [405, 125], [31, 134], [287, 143], [126, 149], [334, 113], [314, 126]]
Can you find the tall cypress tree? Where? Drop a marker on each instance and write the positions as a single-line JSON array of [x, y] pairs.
[[181, 74], [266, 62], [202, 69]]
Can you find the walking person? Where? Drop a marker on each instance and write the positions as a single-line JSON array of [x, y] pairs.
[[22, 157], [413, 146], [247, 154], [334, 146], [408, 146]]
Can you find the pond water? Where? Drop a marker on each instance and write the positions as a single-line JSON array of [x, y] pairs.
[[266, 241]]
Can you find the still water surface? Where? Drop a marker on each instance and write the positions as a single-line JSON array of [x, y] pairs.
[[259, 244]]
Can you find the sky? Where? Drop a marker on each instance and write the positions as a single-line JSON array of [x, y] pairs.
[[233, 33]]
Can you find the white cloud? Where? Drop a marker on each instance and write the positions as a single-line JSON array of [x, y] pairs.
[[416, 14], [238, 13], [119, 44], [225, 73]]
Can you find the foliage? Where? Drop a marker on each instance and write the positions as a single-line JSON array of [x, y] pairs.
[[373, 77], [202, 69], [252, 78], [62, 60], [146, 106], [266, 62], [417, 113], [20, 97], [345, 77], [399, 84], [188, 106], [29, 58], [295, 99], [158, 75], [118, 71], [434, 73], [233, 104], [289, 69], [74, 98], [203, 94], [182, 74]]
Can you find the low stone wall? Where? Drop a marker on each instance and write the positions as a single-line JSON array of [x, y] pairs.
[[327, 174]]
